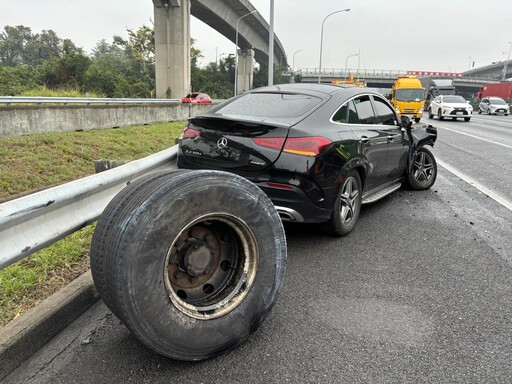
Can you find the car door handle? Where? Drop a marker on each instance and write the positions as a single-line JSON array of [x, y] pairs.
[[391, 137], [364, 139]]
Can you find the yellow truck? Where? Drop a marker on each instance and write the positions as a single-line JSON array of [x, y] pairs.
[[408, 97]]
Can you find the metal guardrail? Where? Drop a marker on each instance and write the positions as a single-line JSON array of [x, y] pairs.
[[33, 222], [8, 100]]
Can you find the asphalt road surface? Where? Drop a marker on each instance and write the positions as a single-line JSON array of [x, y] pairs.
[[419, 292]]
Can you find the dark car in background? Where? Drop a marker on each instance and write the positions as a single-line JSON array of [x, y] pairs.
[[318, 151]]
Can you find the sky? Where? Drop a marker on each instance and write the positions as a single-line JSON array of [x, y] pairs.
[[433, 35]]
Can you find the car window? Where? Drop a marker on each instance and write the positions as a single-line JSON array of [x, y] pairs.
[[341, 114], [365, 110], [385, 114], [352, 113], [271, 105]]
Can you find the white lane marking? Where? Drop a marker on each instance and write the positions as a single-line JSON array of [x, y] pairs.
[[507, 204], [476, 137]]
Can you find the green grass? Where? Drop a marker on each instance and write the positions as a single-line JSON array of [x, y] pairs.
[[32, 163], [45, 92]]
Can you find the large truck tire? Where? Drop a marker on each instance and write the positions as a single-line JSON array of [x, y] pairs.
[[190, 261]]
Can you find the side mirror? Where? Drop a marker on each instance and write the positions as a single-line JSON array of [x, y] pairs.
[[405, 122]]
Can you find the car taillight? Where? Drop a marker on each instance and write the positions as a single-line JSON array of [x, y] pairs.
[[190, 133], [275, 143], [306, 146]]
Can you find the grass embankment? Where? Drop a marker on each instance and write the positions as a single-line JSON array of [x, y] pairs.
[[32, 163], [45, 92]]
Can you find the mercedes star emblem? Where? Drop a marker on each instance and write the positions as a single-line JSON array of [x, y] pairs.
[[222, 143]]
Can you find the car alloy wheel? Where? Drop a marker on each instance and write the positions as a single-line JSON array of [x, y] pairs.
[[349, 207], [423, 168]]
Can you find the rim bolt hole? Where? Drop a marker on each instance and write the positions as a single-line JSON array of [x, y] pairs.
[[208, 288], [182, 294], [225, 265]]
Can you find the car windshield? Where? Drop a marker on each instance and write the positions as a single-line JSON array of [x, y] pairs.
[[191, 95], [497, 101], [454, 99], [410, 95], [272, 105]]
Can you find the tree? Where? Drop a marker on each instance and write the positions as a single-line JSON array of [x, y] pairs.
[[68, 71], [13, 41], [18, 45], [16, 80]]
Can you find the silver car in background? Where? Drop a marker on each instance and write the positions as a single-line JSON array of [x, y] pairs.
[[494, 106]]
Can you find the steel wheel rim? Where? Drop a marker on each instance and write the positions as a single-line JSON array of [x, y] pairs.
[[211, 266], [423, 168], [348, 201]]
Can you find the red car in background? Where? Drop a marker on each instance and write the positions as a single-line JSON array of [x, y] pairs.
[[197, 98]]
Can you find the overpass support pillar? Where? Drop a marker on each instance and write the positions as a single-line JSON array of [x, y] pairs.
[[172, 48], [245, 70]]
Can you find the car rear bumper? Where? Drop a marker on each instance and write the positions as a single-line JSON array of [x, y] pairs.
[[293, 204]]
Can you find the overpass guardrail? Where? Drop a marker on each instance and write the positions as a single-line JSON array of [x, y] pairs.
[[341, 73], [33, 222]]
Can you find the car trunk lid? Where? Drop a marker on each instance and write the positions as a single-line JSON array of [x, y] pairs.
[[227, 143]]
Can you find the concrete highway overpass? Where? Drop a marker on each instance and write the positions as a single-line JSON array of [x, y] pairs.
[[384, 79], [172, 40], [492, 72]]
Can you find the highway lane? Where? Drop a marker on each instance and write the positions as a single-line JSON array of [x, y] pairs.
[[480, 149], [419, 292]]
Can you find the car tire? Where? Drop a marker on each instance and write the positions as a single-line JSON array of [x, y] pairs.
[[479, 111], [467, 118], [347, 206], [191, 261], [417, 120], [439, 114], [424, 170], [430, 114]]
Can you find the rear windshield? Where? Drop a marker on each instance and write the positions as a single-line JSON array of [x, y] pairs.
[[270, 105]]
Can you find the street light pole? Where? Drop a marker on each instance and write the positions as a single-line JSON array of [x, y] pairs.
[[470, 59], [322, 41], [506, 62], [293, 61], [271, 46], [236, 48], [346, 62]]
